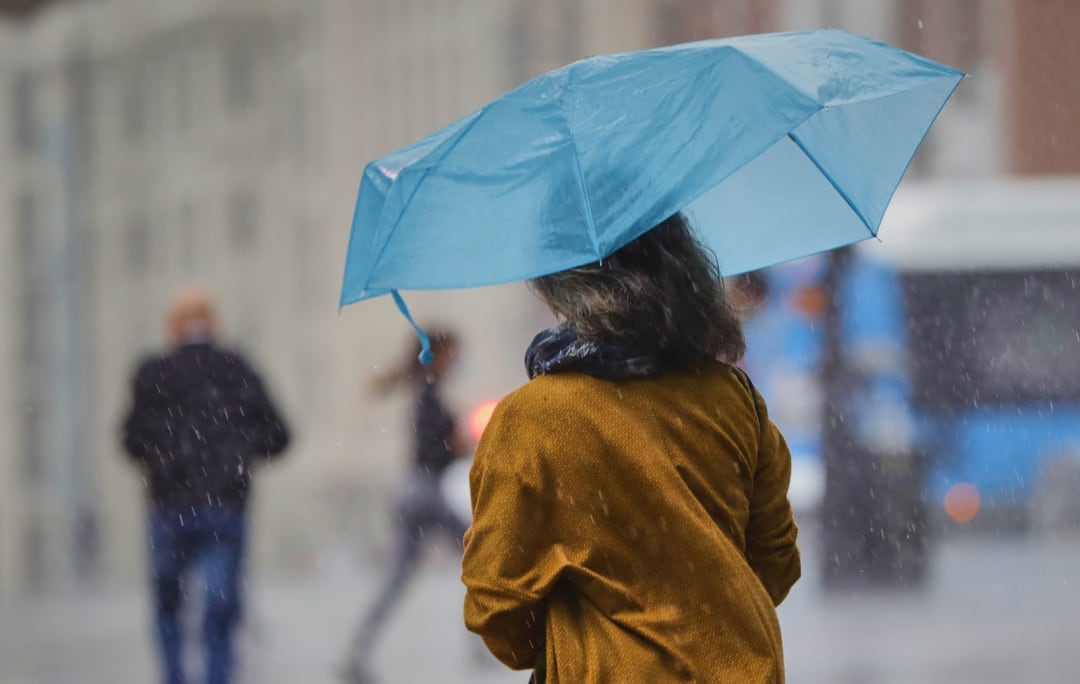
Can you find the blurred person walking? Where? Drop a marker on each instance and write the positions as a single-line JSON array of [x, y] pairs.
[[199, 424], [630, 512], [422, 511]]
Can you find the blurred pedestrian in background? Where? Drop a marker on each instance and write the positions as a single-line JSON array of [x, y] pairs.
[[200, 421], [422, 511], [630, 511]]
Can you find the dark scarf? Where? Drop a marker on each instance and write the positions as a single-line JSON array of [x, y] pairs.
[[562, 349]]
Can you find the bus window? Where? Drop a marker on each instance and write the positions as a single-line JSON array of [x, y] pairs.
[[994, 338]]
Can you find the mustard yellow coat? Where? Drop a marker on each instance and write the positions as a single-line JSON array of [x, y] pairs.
[[633, 531]]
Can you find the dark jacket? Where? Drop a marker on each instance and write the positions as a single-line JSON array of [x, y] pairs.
[[433, 427], [199, 421]]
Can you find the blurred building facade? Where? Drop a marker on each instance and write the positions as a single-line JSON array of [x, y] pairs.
[[150, 144], [143, 145], [147, 145]]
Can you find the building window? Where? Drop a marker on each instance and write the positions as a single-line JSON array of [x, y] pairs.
[[24, 113], [307, 275], [239, 75], [183, 93], [298, 116], [189, 238], [29, 259], [242, 220], [33, 552], [31, 340], [247, 324], [32, 451], [138, 245], [133, 114], [406, 114]]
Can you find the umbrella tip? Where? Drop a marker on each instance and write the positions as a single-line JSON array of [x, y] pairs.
[[425, 356]]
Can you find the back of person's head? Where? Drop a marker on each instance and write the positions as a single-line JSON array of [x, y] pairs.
[[190, 315], [444, 344], [661, 293]]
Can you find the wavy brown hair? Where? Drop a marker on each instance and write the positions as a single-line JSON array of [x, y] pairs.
[[660, 294]]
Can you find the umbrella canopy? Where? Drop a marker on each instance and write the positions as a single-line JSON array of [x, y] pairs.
[[777, 146]]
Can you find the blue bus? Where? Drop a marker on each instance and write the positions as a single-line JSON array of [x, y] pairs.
[[963, 326]]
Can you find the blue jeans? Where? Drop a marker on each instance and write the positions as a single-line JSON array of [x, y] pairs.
[[212, 538]]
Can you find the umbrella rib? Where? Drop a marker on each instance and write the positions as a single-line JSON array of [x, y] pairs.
[[580, 175], [423, 177], [834, 184], [585, 198]]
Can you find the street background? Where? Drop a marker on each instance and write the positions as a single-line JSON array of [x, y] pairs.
[[146, 144]]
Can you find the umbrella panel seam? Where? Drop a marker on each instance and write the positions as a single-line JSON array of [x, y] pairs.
[[832, 182], [419, 183], [577, 167], [929, 125]]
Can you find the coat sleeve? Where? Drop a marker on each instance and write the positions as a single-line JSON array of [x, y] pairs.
[[265, 429], [147, 416], [771, 532], [511, 558]]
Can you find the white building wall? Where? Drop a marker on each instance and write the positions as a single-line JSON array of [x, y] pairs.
[[36, 489], [175, 162], [253, 195], [10, 496]]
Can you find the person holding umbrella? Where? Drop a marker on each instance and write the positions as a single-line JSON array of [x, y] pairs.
[[631, 520], [421, 509], [630, 512]]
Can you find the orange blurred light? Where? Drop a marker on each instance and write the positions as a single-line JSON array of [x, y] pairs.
[[962, 502], [479, 418], [811, 301]]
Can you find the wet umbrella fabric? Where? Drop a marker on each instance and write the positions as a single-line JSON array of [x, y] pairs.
[[777, 146]]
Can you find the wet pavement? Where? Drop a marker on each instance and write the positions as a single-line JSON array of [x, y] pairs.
[[996, 610]]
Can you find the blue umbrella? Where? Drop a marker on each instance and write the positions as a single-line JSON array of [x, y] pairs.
[[777, 146]]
